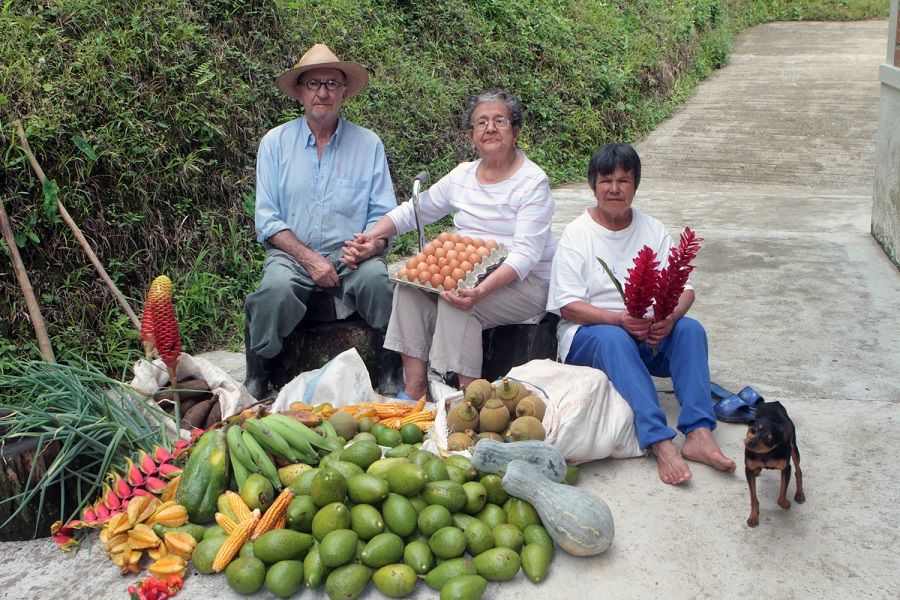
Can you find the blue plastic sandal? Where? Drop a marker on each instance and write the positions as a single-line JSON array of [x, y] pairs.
[[402, 395], [734, 410]]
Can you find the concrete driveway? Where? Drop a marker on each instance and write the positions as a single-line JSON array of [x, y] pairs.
[[772, 162]]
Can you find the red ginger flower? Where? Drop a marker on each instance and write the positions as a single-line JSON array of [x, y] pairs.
[[640, 285], [673, 278], [163, 322]]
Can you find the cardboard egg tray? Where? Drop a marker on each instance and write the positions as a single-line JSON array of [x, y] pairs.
[[472, 278]]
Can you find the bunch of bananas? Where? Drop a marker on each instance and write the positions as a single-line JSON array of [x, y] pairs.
[[280, 435], [129, 534]]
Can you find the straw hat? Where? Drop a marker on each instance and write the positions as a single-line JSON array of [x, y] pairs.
[[321, 57]]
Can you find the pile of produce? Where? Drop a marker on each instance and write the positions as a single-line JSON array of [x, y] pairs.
[[364, 516], [446, 261], [508, 411]]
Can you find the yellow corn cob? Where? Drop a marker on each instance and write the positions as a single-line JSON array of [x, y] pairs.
[[274, 514], [424, 425], [225, 523], [238, 506], [419, 405], [234, 542], [282, 522], [425, 415], [393, 422]]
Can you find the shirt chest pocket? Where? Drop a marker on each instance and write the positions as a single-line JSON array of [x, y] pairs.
[[348, 196]]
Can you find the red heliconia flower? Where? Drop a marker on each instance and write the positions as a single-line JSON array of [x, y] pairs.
[[88, 515], [110, 499], [168, 470], [133, 474], [141, 492], [674, 277], [155, 485], [640, 285], [161, 455], [148, 465], [102, 511], [180, 446], [120, 486], [63, 536]]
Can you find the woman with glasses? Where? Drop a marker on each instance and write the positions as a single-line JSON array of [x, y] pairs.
[[502, 196]]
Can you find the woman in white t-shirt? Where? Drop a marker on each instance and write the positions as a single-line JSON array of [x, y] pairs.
[[595, 329], [502, 196]]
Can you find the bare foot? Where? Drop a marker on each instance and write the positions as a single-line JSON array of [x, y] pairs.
[[672, 468], [699, 446]]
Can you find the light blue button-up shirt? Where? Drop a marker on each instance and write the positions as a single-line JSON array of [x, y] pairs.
[[322, 203]]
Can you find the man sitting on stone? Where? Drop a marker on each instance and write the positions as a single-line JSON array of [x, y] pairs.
[[319, 181]]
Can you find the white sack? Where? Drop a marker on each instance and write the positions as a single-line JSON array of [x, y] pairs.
[[341, 381], [233, 396], [590, 420]]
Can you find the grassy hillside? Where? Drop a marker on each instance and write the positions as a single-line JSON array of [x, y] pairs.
[[146, 115]]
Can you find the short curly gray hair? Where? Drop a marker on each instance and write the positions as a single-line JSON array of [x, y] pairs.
[[513, 104]]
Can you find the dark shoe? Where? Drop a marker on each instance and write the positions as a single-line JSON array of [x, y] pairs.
[[738, 408], [388, 368], [256, 379]]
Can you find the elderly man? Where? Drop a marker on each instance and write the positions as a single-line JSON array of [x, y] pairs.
[[320, 180]]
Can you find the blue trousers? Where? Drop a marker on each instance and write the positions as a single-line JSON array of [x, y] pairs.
[[683, 356]]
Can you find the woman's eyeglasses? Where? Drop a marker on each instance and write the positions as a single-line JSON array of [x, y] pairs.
[[499, 123]]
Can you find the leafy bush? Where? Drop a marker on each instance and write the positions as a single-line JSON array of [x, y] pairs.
[[146, 116]]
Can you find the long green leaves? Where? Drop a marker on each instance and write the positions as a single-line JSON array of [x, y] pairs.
[[96, 422]]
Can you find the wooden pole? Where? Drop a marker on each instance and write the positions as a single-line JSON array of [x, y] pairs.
[[37, 320], [78, 235]]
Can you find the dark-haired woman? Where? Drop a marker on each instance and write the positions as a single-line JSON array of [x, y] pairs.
[[595, 330], [502, 196]]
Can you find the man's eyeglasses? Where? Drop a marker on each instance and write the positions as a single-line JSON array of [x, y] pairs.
[[313, 85], [499, 123]]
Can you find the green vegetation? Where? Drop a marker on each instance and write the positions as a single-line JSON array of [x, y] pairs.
[[147, 115]]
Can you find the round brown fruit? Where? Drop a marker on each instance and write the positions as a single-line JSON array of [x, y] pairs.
[[449, 283], [412, 275], [437, 279]]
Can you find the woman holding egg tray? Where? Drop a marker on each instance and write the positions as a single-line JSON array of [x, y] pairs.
[[501, 198]]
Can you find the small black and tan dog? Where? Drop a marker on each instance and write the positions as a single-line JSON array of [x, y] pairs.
[[771, 444]]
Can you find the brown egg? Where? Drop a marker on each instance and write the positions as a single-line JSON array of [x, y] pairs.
[[491, 244], [454, 263], [443, 237], [428, 251], [420, 257], [448, 245], [446, 270], [401, 274], [470, 248], [422, 265], [411, 263], [449, 283], [458, 274], [433, 269], [466, 240], [478, 242], [466, 266], [412, 275], [463, 256], [424, 276], [452, 255], [459, 247], [454, 238], [483, 251], [442, 261], [437, 280], [431, 259], [440, 252], [475, 258]]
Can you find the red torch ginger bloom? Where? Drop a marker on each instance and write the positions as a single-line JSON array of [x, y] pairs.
[[674, 277], [640, 285], [165, 326]]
